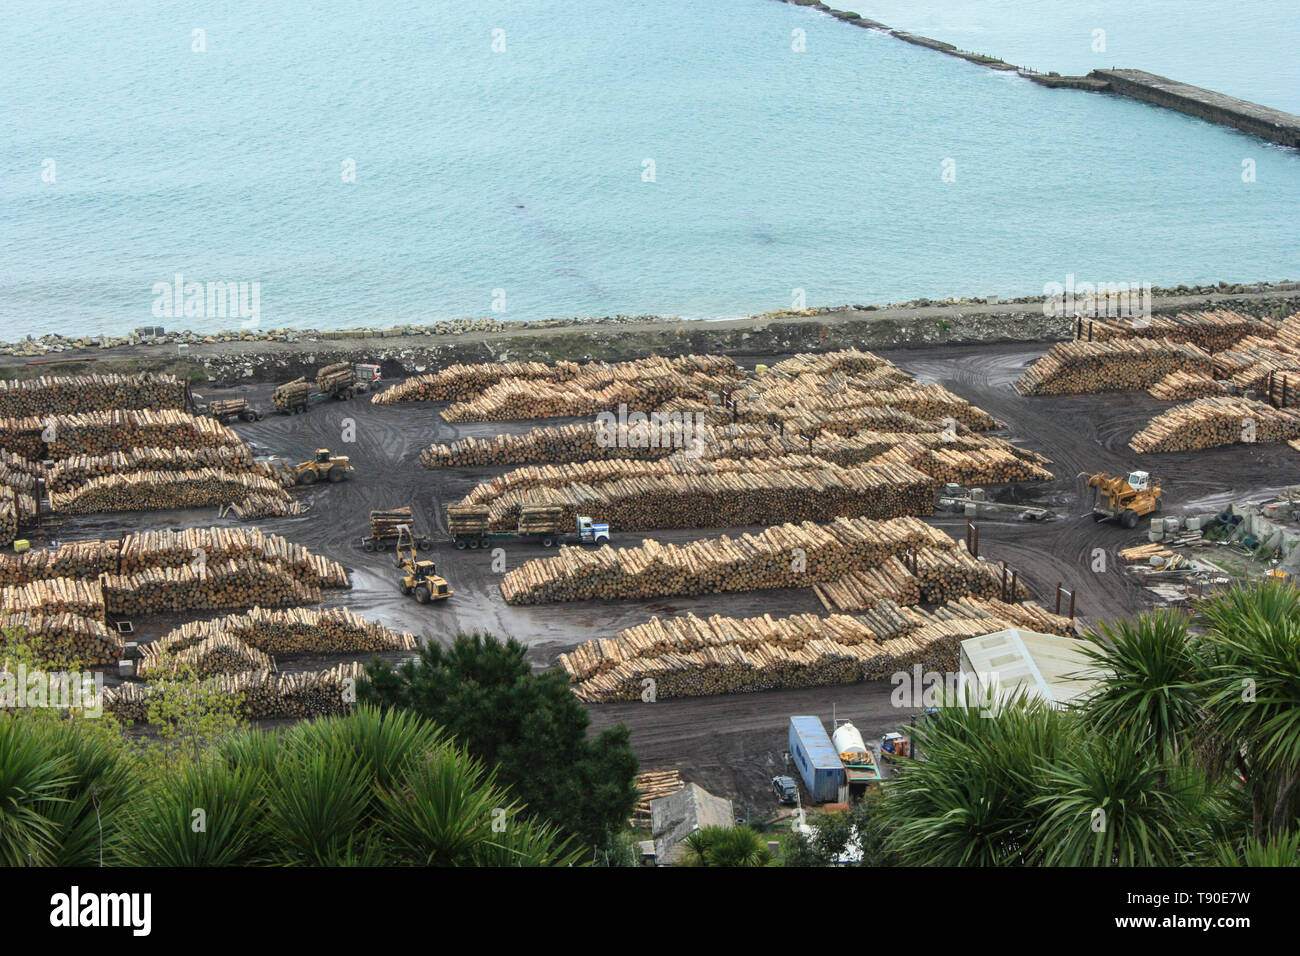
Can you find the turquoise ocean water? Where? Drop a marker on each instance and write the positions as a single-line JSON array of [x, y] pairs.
[[518, 177]]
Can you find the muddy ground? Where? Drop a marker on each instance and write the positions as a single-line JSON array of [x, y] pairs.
[[729, 745]]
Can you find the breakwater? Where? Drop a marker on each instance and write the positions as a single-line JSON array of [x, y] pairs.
[[1276, 126]]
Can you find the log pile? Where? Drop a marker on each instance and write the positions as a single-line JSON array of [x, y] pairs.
[[239, 582], [215, 654], [457, 383], [468, 519], [161, 490], [689, 656], [262, 695], [66, 474], [1115, 365], [259, 505], [967, 466], [73, 394], [1211, 422], [865, 589], [651, 785], [286, 632], [641, 385], [385, 524], [1184, 386], [333, 376], [73, 559], [66, 639], [144, 550], [1211, 331], [735, 498], [291, 395], [789, 555]]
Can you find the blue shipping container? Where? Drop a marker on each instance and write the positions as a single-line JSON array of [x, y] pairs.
[[815, 756]]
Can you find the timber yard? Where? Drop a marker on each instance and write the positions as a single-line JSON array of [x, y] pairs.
[[837, 516]]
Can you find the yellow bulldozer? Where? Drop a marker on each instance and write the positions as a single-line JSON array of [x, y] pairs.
[[323, 467], [1123, 499], [418, 578]]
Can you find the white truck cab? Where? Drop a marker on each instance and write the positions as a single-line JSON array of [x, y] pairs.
[[589, 532], [1139, 480]]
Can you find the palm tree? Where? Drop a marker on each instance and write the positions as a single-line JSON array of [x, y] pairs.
[[970, 802], [1253, 697], [725, 846], [1113, 802], [1282, 851], [33, 776], [1153, 686]]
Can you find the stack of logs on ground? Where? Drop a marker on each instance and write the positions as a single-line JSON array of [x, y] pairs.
[[1237, 375], [689, 656], [258, 694], [121, 443], [919, 562], [252, 640], [64, 596]]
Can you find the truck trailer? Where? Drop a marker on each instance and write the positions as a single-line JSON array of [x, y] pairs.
[[544, 524], [816, 759]]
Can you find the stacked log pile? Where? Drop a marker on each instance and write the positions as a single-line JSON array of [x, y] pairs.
[[144, 550], [66, 639], [161, 490], [1251, 368], [291, 395], [77, 470], [66, 615], [238, 582], [642, 385], [947, 574], [1211, 422], [577, 442], [1211, 331], [457, 383], [690, 656], [214, 654], [1183, 386], [261, 505], [651, 785], [333, 376], [734, 498], [1115, 365], [789, 555], [385, 523], [865, 589], [262, 695], [967, 466], [73, 394], [72, 559], [286, 632]]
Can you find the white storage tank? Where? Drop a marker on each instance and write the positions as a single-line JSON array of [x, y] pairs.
[[848, 742]]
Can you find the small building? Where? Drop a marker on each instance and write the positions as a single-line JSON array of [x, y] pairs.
[[675, 817], [1036, 666]]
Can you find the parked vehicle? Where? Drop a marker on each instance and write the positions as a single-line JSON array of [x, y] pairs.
[[786, 790], [816, 759]]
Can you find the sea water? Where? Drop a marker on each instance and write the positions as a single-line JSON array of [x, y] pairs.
[[401, 162]]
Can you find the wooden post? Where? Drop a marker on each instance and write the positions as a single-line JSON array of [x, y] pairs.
[[1071, 604], [1058, 598]]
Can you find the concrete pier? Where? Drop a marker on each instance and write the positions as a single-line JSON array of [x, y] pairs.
[[1270, 124]]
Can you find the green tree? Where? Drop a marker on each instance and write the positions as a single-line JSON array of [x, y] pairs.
[[725, 846], [860, 831], [528, 724]]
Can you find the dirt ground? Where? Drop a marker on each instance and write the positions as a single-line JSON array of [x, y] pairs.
[[729, 745]]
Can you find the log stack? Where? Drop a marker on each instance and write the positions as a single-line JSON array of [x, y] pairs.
[[240, 582], [651, 785], [334, 376], [385, 523], [1184, 386], [1114, 365], [688, 656], [66, 640], [287, 632], [161, 490], [215, 654], [66, 474], [1211, 331], [457, 383], [1211, 422], [291, 395], [73, 394], [261, 695], [790, 555]]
